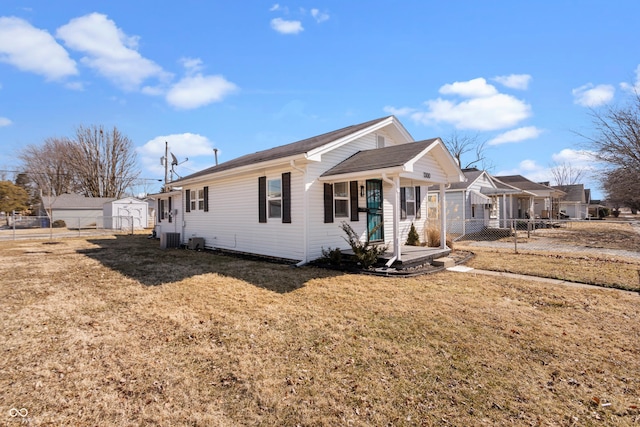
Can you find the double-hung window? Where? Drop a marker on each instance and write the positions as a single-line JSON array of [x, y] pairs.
[[410, 198], [200, 199], [341, 199], [193, 202], [274, 198]]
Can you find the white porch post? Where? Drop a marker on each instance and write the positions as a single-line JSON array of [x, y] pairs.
[[397, 250], [531, 208], [443, 219]]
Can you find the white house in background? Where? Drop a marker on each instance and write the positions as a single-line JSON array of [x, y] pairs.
[[75, 210], [125, 214], [289, 201], [475, 204], [575, 203], [534, 200]]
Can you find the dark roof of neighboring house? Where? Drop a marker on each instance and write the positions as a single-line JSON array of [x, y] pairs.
[[522, 183], [299, 147], [471, 175], [380, 158], [75, 201], [575, 192]]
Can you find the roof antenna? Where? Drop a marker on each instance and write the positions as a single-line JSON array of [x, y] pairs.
[[215, 153]]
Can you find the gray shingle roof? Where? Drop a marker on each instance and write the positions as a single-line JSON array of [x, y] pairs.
[[380, 158], [522, 183], [299, 147], [575, 192]]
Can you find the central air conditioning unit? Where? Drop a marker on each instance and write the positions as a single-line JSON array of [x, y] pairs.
[[169, 240], [196, 243]]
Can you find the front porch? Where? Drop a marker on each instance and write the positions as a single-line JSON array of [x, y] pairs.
[[411, 256]]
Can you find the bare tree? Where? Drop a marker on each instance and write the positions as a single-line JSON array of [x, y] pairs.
[[104, 161], [49, 167], [616, 141], [616, 137], [622, 188], [566, 174], [467, 146]]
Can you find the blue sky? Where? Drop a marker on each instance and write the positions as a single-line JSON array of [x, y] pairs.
[[246, 76]]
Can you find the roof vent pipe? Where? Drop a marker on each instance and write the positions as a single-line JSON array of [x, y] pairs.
[[215, 153]]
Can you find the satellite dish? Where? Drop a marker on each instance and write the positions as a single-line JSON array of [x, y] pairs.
[[174, 161]]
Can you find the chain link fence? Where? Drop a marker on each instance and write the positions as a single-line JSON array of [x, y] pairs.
[[15, 226], [533, 235]]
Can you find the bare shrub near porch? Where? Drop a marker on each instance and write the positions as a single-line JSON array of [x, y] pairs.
[[432, 237], [366, 253]]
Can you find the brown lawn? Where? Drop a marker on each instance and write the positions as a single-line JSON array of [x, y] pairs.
[[114, 331]]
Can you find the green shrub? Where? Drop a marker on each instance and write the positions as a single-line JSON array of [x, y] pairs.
[[332, 256], [59, 223], [413, 239], [366, 253]]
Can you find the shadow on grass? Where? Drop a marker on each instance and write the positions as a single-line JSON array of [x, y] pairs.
[[141, 259]]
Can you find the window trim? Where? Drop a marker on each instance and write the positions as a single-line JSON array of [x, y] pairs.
[[272, 198], [341, 198]]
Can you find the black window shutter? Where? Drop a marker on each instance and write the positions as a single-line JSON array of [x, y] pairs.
[[170, 213], [353, 195], [418, 202], [187, 195], [286, 197], [159, 210], [262, 199], [403, 204], [206, 199], [328, 203]]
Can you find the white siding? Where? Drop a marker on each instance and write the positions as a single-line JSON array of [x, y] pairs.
[[232, 220]]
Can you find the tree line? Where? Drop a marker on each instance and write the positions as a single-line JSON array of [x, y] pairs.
[[95, 162]]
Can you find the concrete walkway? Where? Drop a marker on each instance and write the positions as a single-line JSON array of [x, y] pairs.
[[465, 269]]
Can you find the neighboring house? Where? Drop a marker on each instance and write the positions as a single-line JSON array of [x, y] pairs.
[[575, 203], [476, 204], [289, 201], [534, 200], [127, 213], [75, 210]]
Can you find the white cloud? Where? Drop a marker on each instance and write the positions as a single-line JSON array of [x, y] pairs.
[[516, 135], [198, 90], [192, 65], [470, 89], [109, 50], [578, 158], [494, 112], [319, 16], [593, 96], [274, 7], [635, 87], [514, 81], [4, 122], [197, 148], [34, 50], [398, 111], [286, 27]]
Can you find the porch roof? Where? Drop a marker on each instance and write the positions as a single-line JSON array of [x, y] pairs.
[[380, 158]]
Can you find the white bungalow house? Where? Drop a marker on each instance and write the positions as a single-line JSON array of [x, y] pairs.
[[475, 204], [534, 200], [575, 203], [289, 201]]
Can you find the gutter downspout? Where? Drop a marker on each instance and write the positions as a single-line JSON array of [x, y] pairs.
[[397, 253], [305, 225], [464, 211], [443, 219]]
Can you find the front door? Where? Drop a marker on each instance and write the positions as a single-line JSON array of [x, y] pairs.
[[375, 227]]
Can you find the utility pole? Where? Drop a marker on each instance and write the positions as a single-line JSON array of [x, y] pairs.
[[166, 166]]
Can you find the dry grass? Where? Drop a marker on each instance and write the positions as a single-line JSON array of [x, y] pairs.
[[118, 332], [601, 269]]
